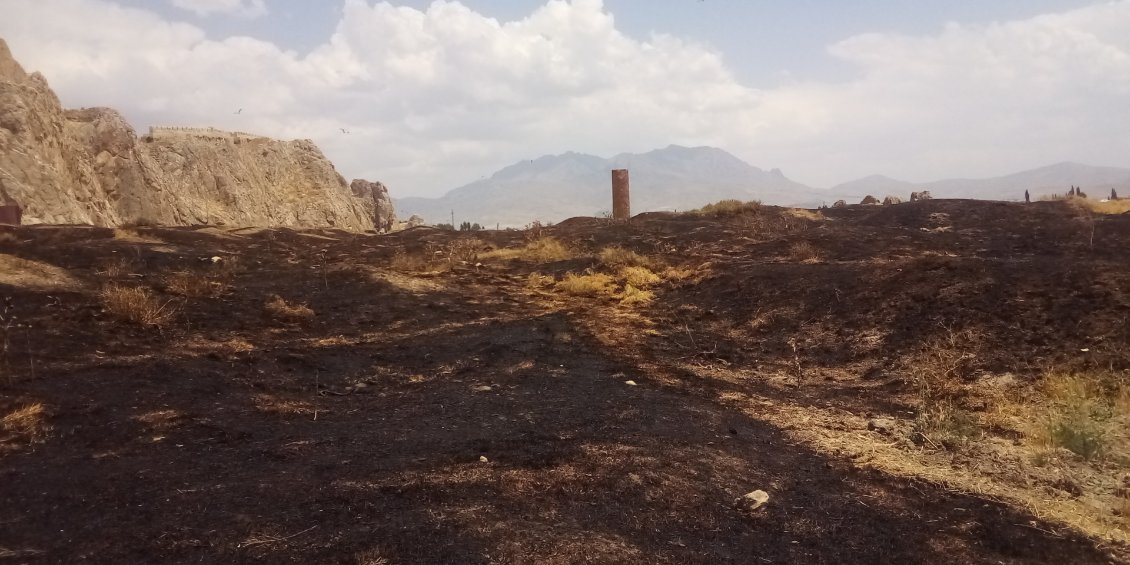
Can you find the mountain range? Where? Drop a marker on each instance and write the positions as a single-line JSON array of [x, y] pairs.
[[555, 187]]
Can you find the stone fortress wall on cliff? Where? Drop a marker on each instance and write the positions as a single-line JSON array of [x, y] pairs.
[[170, 133]]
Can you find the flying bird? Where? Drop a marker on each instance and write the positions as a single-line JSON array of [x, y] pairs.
[[239, 111], [343, 130]]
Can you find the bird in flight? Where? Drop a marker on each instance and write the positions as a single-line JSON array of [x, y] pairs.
[[343, 130], [239, 111]]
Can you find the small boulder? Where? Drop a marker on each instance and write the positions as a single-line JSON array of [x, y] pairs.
[[869, 200], [840, 204], [892, 200], [752, 501]]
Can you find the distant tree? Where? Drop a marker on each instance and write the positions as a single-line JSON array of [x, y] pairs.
[[445, 227], [468, 226]]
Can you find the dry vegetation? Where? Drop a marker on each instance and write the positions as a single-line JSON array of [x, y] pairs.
[[279, 309], [137, 305], [587, 392]]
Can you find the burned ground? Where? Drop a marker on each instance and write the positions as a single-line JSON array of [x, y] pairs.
[[448, 411]]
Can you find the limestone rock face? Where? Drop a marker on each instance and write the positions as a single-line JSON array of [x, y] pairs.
[[377, 203], [89, 167]]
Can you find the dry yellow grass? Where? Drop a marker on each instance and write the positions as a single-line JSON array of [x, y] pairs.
[[195, 284], [279, 309], [538, 280], [28, 422], [1083, 413], [595, 284], [639, 277], [617, 257], [730, 207], [1121, 206], [413, 262], [136, 304], [543, 249], [632, 295], [804, 252]]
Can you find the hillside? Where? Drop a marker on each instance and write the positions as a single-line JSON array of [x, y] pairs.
[[552, 188], [88, 166], [934, 382]]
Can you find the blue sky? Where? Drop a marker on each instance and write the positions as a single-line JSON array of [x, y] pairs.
[[438, 94]]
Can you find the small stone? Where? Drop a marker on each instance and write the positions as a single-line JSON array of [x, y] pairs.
[[631, 383], [217, 259], [882, 425], [483, 388], [753, 501], [483, 459]]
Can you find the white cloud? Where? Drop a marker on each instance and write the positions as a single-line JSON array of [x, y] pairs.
[[439, 97], [245, 8]]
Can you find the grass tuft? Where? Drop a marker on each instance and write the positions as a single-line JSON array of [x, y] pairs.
[[1082, 411], [27, 422], [725, 208], [595, 284], [544, 249], [136, 304], [617, 258], [639, 277], [633, 295], [280, 309]]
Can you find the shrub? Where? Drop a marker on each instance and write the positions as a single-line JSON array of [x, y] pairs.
[[945, 425], [136, 304], [411, 262]]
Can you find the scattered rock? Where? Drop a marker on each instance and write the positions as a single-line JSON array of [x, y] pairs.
[[483, 388], [483, 459], [752, 501], [916, 196], [869, 200], [840, 204], [892, 200], [631, 383], [885, 426]]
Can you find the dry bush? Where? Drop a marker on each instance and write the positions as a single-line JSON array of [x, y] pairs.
[[639, 277], [595, 284], [541, 250], [27, 422], [804, 252], [938, 375], [464, 250], [118, 267], [617, 257], [279, 309], [136, 304], [725, 208], [633, 295], [538, 280]]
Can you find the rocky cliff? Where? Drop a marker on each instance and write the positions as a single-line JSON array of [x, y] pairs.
[[89, 167]]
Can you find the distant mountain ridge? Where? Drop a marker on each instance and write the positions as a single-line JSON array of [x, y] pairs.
[[555, 187], [1053, 179]]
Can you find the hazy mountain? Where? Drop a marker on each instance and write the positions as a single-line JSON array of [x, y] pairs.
[[1053, 179], [553, 188]]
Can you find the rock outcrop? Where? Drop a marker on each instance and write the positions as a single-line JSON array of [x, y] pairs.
[[869, 200], [89, 167]]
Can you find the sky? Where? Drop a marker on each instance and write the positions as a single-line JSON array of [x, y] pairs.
[[426, 96]]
